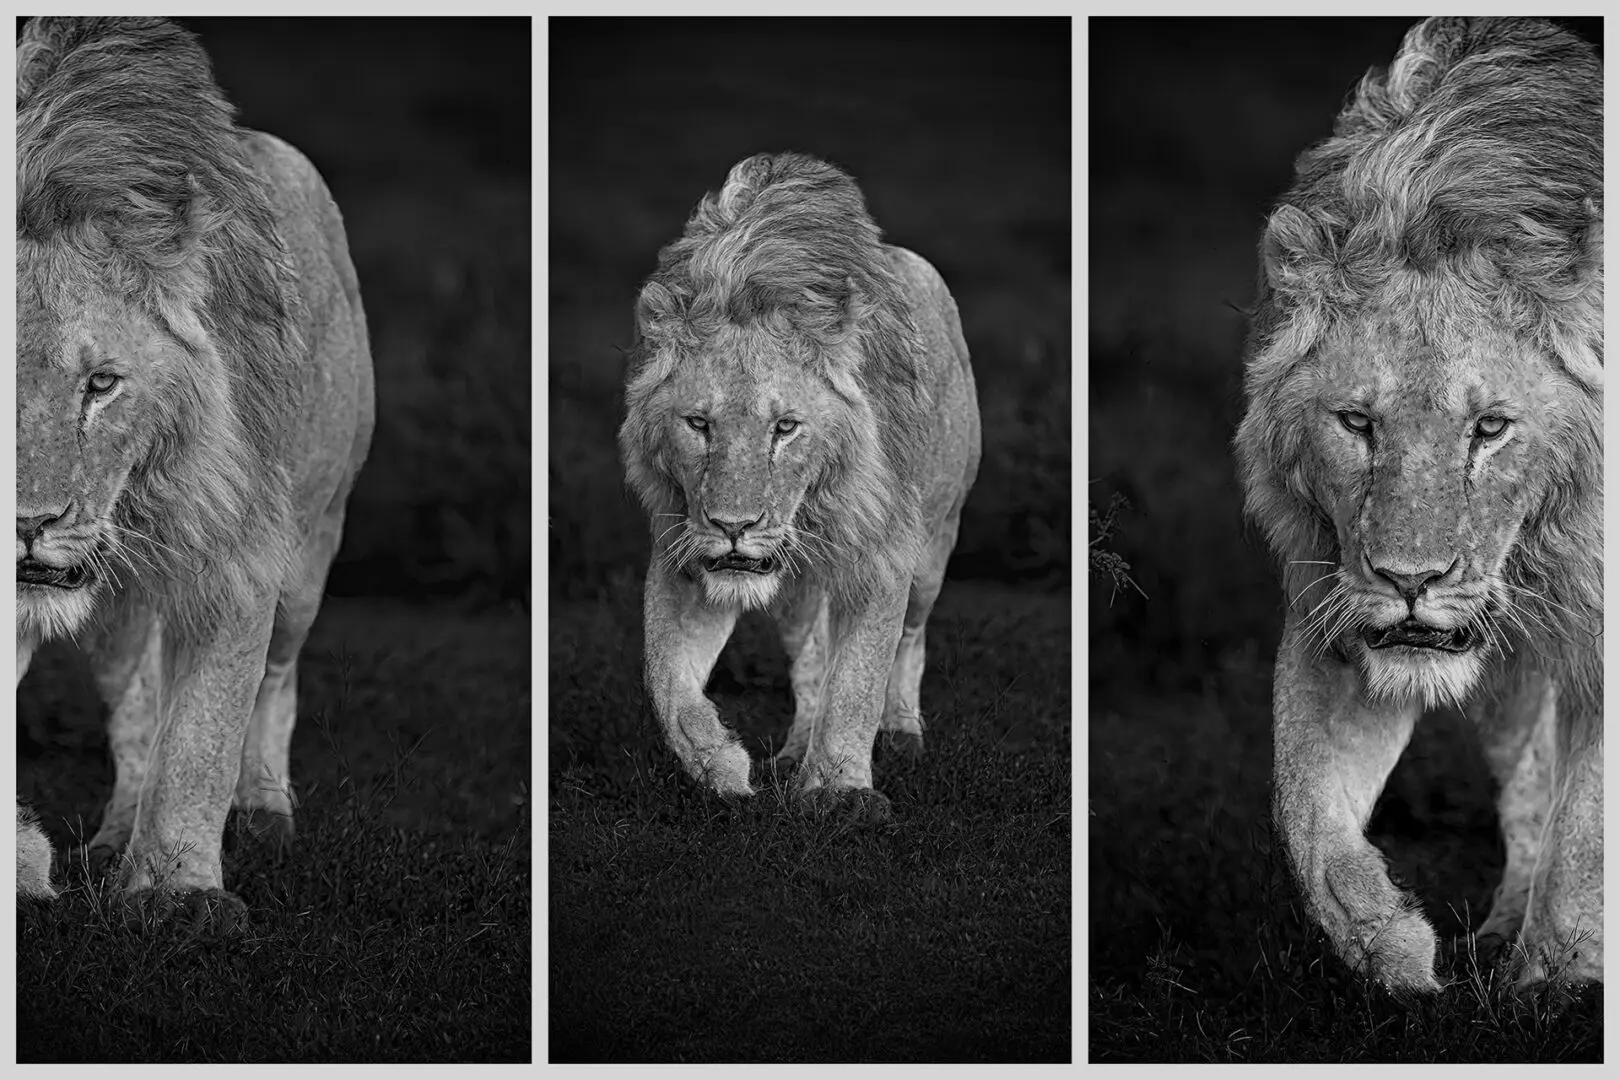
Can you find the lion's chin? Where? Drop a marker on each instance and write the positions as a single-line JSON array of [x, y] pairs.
[[1429, 674], [46, 613], [738, 581]]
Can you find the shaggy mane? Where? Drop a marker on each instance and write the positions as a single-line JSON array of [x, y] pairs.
[[133, 181], [1466, 183], [787, 244]]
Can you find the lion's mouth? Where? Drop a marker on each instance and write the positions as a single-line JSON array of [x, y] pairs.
[[33, 572], [1415, 635], [740, 564]]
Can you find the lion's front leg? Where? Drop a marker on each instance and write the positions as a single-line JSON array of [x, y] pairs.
[[684, 636], [801, 618], [862, 651], [1562, 936], [1516, 725], [195, 756], [1334, 750], [125, 653]]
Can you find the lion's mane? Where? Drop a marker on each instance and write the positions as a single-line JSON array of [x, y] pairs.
[[1477, 159], [133, 180], [787, 244]]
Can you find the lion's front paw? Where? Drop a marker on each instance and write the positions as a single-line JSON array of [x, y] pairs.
[[1398, 952], [856, 806], [1374, 927], [34, 857], [202, 912], [724, 770]]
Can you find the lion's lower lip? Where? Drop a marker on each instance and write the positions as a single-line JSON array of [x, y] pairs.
[[34, 573], [1416, 635], [742, 564]]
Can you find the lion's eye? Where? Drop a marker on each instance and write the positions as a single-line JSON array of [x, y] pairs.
[[102, 382], [1489, 427], [786, 426], [1358, 422], [698, 423]]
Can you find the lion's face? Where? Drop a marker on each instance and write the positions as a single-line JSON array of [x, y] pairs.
[[85, 378], [1432, 451], [745, 433]]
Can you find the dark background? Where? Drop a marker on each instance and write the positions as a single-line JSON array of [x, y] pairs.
[[1194, 127], [681, 930]]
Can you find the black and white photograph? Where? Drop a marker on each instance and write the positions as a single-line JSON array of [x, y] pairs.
[[1344, 481], [809, 751], [274, 698]]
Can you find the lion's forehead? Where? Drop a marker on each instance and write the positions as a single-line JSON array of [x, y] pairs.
[[82, 329], [727, 385], [1405, 368]]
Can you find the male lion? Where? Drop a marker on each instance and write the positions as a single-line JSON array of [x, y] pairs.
[[1423, 449], [194, 399], [803, 428]]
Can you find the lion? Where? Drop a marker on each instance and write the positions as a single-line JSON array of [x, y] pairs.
[[1422, 447], [194, 401], [802, 427]]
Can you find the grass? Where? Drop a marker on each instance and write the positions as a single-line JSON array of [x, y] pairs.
[[686, 929], [398, 928]]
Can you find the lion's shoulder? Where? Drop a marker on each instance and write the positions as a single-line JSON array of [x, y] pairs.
[[934, 313]]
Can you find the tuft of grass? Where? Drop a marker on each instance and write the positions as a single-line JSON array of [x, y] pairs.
[[1103, 562], [684, 928]]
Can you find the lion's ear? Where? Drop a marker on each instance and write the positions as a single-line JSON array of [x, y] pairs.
[[1290, 237], [655, 308]]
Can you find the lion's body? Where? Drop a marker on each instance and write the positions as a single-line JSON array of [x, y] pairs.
[[194, 402], [1422, 447], [803, 427]]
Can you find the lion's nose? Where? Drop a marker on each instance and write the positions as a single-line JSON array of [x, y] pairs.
[[734, 527], [28, 528], [1411, 584]]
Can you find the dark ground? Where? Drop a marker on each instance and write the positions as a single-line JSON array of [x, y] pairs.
[[683, 931], [401, 929], [1196, 949]]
